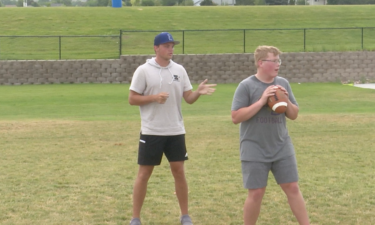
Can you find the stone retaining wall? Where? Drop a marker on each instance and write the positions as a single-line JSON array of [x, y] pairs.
[[218, 68]]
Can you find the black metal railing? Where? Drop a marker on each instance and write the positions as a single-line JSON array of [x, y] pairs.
[[289, 40], [59, 47], [135, 42]]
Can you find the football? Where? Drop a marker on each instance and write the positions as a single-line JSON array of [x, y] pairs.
[[278, 102]]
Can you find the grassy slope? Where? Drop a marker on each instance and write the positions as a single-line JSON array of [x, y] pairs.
[[105, 21], [109, 21]]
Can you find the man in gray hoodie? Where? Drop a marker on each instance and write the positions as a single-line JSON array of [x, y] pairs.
[[158, 87]]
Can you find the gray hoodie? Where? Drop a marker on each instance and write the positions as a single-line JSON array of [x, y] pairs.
[[151, 79]]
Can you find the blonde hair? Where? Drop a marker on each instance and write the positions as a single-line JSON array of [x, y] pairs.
[[262, 53]]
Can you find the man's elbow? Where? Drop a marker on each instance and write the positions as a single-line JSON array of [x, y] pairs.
[[188, 99], [131, 101], [292, 116], [189, 102], [235, 121]]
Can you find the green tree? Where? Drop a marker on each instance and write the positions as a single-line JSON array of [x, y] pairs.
[[92, 3], [148, 3], [9, 2], [350, 2], [277, 2], [78, 3], [245, 2], [169, 2], [207, 2], [34, 4], [187, 3], [136, 2], [103, 2], [20, 3], [67, 2], [259, 2], [43, 2], [126, 3]]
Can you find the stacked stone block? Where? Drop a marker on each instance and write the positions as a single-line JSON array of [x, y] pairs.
[[219, 68]]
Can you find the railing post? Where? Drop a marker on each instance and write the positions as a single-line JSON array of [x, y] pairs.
[[304, 39], [244, 41], [59, 47], [120, 44], [183, 42], [362, 39]]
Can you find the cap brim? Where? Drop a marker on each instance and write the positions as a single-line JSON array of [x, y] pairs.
[[174, 42]]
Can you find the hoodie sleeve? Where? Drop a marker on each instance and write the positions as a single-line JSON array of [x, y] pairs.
[[187, 84], [138, 83]]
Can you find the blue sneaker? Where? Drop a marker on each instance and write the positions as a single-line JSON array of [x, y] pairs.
[[135, 221], [186, 220]]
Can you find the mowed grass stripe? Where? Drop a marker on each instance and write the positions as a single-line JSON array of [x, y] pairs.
[[110, 101]]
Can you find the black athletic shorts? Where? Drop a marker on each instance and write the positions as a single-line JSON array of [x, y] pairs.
[[152, 147]]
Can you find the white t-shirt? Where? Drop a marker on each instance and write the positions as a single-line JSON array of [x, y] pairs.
[[151, 79]]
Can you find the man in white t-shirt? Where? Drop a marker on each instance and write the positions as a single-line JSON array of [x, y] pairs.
[[158, 87]]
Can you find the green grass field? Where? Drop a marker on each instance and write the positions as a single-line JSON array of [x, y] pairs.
[[67, 21], [68, 156]]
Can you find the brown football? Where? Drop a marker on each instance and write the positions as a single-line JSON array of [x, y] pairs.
[[278, 102]]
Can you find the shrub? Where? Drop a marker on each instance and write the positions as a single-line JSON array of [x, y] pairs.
[[169, 2], [244, 2], [259, 2], [207, 2], [148, 3], [187, 3]]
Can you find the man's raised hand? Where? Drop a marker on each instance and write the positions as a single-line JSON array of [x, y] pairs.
[[206, 89]]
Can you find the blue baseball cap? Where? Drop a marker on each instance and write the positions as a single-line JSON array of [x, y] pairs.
[[164, 37]]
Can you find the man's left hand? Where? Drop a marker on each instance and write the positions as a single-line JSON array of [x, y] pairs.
[[206, 89]]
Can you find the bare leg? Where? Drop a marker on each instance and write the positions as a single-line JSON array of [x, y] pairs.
[[296, 202], [181, 186], [252, 205], [140, 189]]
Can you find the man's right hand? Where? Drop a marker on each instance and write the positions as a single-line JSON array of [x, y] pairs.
[[161, 97]]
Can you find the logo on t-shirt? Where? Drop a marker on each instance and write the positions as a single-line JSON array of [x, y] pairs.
[[176, 78]]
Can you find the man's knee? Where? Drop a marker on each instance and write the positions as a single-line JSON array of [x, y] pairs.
[[291, 188], [256, 194], [177, 168], [145, 172]]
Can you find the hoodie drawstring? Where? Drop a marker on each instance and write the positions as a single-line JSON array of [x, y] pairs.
[[171, 75], [155, 64], [161, 78]]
